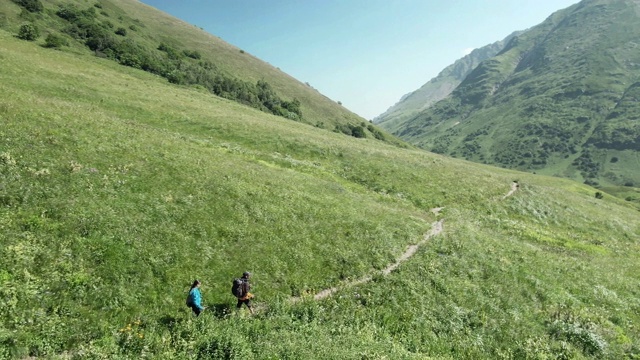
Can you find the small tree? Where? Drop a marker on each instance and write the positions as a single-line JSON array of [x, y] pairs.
[[28, 32]]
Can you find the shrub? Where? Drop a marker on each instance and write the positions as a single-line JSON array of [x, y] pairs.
[[358, 131], [55, 41], [580, 335], [121, 31], [195, 54], [591, 182], [171, 52], [599, 195], [376, 133], [30, 5], [342, 128], [28, 32], [100, 42], [69, 12], [293, 107]]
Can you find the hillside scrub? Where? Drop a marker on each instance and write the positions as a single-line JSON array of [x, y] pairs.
[[119, 189], [184, 55]]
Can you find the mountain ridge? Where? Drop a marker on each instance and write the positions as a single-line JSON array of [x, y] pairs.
[[439, 87], [547, 101]]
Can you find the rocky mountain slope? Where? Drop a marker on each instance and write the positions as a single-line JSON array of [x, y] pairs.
[[439, 87], [561, 99]]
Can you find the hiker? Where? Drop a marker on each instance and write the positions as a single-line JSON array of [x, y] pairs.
[[194, 300], [241, 289]]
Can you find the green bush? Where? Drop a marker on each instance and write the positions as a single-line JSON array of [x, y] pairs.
[[55, 41], [69, 12], [28, 32], [358, 131], [171, 52], [194, 54], [100, 42], [121, 31], [30, 5]]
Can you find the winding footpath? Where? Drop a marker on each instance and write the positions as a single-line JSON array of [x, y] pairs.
[[436, 228]]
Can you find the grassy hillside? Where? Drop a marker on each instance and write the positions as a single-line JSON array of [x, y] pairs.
[[136, 35], [117, 189], [560, 99]]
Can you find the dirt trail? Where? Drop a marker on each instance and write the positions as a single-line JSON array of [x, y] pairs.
[[436, 228], [514, 188]]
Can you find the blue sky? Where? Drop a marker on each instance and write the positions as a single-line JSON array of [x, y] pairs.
[[363, 53]]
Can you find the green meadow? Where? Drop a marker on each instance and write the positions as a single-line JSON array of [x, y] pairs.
[[117, 189]]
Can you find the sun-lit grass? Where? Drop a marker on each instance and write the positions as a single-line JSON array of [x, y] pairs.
[[117, 190]]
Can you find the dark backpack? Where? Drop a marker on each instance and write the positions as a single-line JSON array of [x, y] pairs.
[[189, 300], [238, 288]]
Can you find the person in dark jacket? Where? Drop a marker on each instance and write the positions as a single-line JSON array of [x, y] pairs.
[[246, 298], [195, 298]]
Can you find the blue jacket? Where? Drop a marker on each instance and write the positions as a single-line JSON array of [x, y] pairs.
[[196, 298]]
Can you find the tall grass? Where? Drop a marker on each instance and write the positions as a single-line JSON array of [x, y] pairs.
[[117, 190]]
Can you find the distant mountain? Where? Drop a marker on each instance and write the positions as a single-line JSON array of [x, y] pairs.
[[439, 87], [562, 98]]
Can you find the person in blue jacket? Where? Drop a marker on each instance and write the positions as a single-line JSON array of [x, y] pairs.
[[194, 300]]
